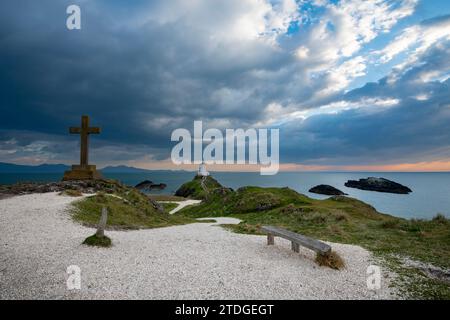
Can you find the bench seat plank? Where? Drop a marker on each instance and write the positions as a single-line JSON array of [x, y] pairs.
[[313, 244]]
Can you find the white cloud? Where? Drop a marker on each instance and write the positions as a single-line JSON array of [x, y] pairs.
[[417, 39], [422, 97], [227, 20], [372, 104], [283, 13], [349, 24], [302, 52], [277, 114], [327, 53], [339, 77]]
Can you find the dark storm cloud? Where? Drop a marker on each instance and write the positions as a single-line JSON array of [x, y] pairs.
[[138, 82], [141, 70]]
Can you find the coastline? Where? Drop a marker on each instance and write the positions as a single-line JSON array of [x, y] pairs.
[[429, 196], [339, 220]]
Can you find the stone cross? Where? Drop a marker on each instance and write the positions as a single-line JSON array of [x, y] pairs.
[[84, 131]]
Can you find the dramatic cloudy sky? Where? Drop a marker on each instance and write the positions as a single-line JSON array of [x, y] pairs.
[[351, 84]]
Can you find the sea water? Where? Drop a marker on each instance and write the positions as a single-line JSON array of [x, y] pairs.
[[431, 191]]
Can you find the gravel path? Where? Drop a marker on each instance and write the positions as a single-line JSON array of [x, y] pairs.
[[38, 241]]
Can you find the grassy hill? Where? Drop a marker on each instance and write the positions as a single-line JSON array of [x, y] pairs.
[[201, 188], [344, 220], [127, 207]]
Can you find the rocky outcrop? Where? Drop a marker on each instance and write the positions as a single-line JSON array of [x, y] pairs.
[[84, 186], [326, 190], [148, 185], [378, 184]]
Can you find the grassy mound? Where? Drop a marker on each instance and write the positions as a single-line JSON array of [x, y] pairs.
[[97, 241], [128, 209], [339, 219], [200, 188]]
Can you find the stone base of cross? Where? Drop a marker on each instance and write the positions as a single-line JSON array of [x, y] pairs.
[[83, 171]]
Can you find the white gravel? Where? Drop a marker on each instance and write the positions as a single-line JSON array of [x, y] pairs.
[[38, 241]]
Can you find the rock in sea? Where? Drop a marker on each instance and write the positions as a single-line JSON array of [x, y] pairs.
[[149, 185], [144, 184], [378, 184], [326, 190]]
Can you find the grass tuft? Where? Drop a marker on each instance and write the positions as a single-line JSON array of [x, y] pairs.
[[169, 206], [97, 241], [331, 260], [441, 219]]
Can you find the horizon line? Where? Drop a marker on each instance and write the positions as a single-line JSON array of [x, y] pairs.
[[302, 168]]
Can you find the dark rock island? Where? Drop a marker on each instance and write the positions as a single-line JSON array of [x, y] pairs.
[[378, 184], [148, 185], [326, 190]]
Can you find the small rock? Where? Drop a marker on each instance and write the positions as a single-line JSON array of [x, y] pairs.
[[149, 185]]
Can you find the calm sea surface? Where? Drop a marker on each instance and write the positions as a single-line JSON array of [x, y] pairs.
[[431, 191]]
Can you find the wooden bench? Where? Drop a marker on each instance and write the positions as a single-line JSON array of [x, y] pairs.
[[296, 240]]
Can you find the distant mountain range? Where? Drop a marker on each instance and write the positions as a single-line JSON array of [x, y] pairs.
[[43, 168], [123, 169], [60, 168]]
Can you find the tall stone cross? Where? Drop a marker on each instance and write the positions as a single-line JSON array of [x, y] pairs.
[[83, 171], [84, 131]]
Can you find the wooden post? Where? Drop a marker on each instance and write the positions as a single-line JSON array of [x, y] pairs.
[[102, 223], [295, 247], [270, 239]]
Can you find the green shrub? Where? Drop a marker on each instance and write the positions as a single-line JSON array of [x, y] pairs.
[[440, 218], [390, 224]]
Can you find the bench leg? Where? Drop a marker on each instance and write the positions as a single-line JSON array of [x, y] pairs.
[[295, 247], [270, 239]]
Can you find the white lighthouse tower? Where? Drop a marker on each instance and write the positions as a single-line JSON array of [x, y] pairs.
[[202, 172]]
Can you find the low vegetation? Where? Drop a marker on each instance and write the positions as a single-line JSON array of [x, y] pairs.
[[127, 209], [97, 241], [201, 188], [331, 260], [71, 193], [165, 197], [169, 206], [340, 219]]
